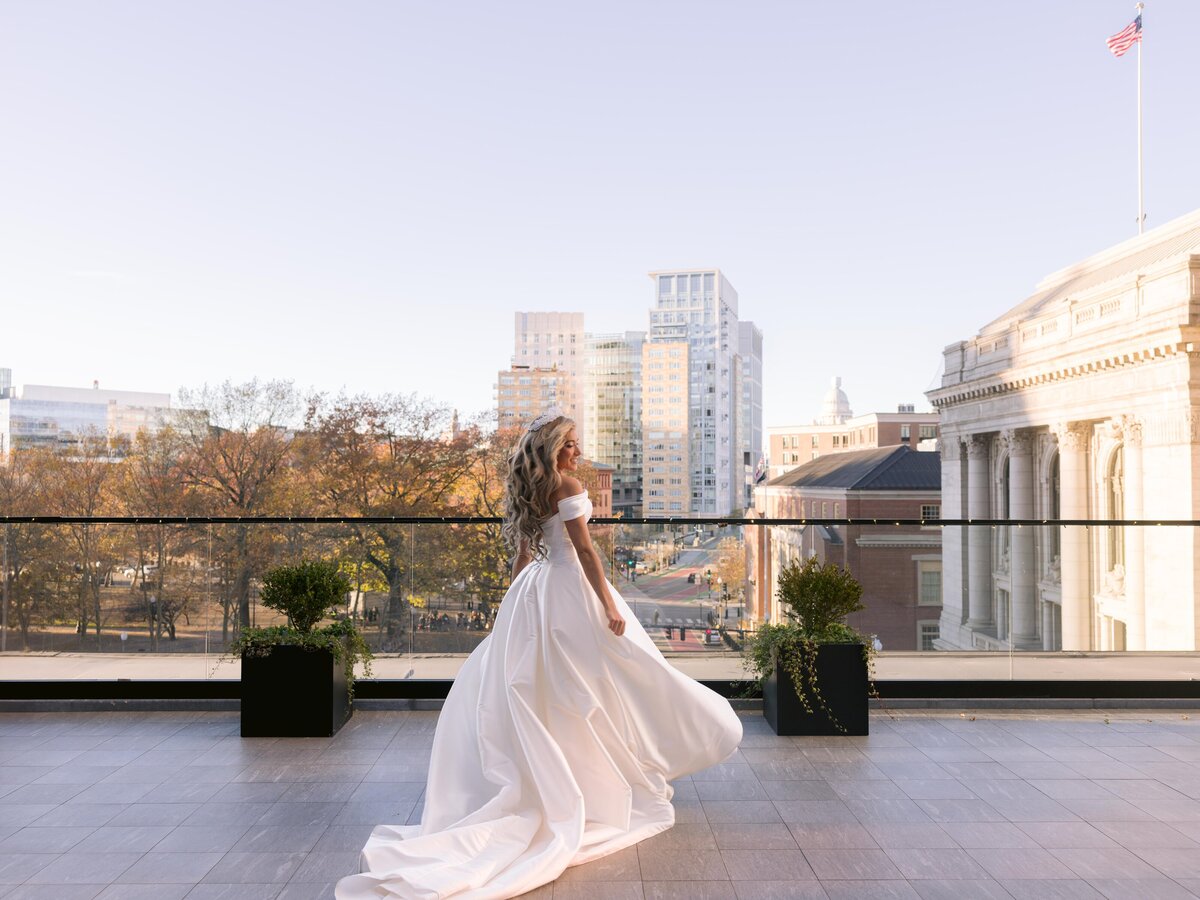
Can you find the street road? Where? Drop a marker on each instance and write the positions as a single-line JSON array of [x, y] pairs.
[[666, 598]]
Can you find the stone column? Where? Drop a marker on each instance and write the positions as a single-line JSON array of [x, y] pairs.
[[1073, 441], [1020, 542], [979, 538], [954, 597], [1135, 563]]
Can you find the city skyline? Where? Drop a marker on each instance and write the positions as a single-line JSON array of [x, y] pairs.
[[336, 196]]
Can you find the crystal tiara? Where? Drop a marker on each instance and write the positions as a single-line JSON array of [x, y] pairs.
[[546, 418]]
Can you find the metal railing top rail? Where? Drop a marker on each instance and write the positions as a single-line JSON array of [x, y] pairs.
[[606, 520]]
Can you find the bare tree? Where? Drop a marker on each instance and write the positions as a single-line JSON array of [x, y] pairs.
[[78, 482], [731, 566], [235, 442], [394, 455], [152, 484], [16, 490]]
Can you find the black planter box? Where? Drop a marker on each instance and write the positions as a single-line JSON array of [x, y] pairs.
[[293, 692], [842, 677]]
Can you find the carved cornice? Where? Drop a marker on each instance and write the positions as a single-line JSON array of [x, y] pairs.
[[1176, 427], [953, 395], [1073, 437]]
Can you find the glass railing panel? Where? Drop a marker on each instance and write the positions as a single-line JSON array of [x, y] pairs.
[[459, 573], [1107, 603], [943, 602], [997, 601]]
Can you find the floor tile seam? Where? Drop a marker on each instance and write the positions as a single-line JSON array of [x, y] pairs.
[[1057, 850], [176, 828], [98, 853]]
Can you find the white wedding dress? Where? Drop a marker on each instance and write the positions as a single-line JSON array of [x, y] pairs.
[[555, 746]]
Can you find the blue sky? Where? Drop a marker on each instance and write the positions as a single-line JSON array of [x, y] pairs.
[[359, 195]]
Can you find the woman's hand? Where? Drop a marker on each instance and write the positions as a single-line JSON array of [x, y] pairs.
[[616, 623]]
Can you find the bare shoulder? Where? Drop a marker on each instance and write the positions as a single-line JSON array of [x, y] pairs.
[[569, 488]]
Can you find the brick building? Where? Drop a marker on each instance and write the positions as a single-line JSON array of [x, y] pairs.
[[838, 430], [899, 567]]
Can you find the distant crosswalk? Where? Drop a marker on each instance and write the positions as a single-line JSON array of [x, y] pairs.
[[658, 632], [664, 622]]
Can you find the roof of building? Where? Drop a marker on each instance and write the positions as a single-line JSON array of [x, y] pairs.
[[1176, 239], [898, 468]]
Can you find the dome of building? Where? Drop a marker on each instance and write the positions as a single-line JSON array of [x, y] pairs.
[[835, 408]]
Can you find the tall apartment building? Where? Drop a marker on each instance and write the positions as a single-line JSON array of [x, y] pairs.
[[554, 340], [750, 424], [667, 484], [40, 415], [523, 393], [612, 413], [699, 308]]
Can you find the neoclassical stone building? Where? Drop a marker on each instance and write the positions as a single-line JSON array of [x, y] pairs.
[[1083, 401]]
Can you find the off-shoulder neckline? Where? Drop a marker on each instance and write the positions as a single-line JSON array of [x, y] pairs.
[[582, 493]]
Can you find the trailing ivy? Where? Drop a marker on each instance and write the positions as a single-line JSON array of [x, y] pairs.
[[340, 638], [817, 598]]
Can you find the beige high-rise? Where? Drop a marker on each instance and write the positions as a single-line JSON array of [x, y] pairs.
[[554, 341], [666, 426]]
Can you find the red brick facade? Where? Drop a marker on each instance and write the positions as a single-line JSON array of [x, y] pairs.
[[891, 562]]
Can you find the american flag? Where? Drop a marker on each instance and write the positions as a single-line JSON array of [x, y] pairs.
[[1126, 37], [760, 471]]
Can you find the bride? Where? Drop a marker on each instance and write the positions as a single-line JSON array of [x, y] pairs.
[[560, 737]]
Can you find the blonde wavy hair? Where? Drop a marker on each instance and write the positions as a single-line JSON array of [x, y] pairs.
[[532, 480]]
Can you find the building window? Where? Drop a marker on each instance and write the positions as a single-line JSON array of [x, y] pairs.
[[816, 442], [1116, 508], [1055, 510], [929, 583], [930, 511], [906, 432], [927, 633], [928, 432]]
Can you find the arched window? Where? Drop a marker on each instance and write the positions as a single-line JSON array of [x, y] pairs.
[[1054, 544], [1115, 483], [1002, 537], [1004, 486]]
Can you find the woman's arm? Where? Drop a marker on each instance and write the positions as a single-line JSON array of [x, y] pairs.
[[593, 568], [524, 558]]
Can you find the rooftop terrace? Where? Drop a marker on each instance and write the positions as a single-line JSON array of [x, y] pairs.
[[932, 804]]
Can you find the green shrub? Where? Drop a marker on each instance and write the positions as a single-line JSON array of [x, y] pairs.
[[816, 600], [819, 597], [306, 593]]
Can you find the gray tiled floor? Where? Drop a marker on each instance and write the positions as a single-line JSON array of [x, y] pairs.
[[933, 805]]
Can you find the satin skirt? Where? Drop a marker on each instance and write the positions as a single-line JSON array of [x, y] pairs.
[[555, 747]]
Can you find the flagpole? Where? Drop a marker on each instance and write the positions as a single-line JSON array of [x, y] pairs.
[[1141, 193]]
